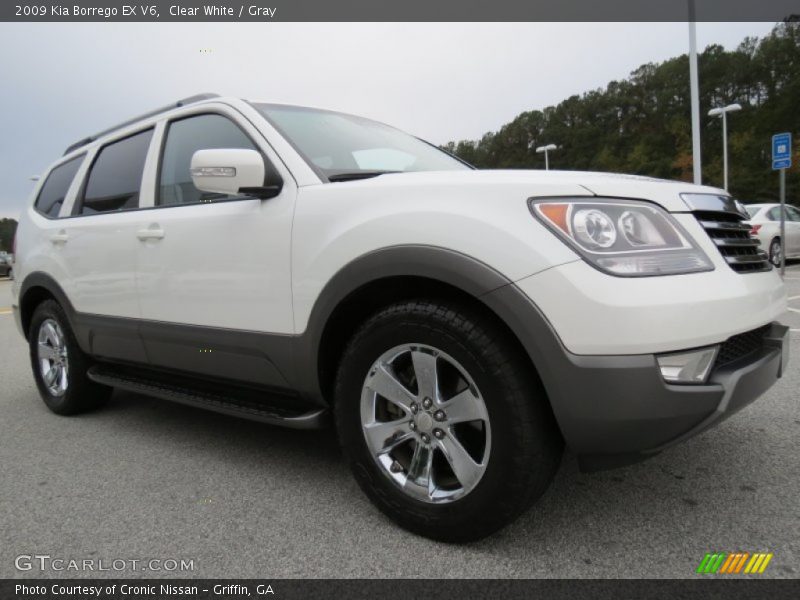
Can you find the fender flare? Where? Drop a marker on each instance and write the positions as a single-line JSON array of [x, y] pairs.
[[40, 279], [432, 262]]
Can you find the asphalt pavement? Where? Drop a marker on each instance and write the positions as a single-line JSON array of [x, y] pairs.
[[145, 479]]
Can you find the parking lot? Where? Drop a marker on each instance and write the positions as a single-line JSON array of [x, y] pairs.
[[146, 479]]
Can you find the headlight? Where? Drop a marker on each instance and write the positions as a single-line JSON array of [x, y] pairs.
[[594, 228], [628, 238]]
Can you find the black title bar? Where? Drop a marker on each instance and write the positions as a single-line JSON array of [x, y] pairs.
[[391, 589], [398, 10]]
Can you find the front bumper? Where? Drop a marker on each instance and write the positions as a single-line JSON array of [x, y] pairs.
[[595, 313], [619, 410]]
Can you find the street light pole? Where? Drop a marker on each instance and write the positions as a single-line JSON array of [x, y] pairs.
[[725, 150], [694, 88], [546, 149], [722, 111], [783, 221]]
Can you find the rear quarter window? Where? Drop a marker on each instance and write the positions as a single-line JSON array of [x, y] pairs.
[[752, 211], [51, 196]]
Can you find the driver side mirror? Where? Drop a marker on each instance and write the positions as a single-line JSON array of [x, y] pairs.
[[234, 171]]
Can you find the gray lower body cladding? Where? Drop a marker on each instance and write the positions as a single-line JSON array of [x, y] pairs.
[[611, 410]]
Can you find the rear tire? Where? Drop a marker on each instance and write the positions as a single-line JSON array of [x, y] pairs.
[[59, 365], [482, 384], [775, 251]]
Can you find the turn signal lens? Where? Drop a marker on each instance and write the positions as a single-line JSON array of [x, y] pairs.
[[556, 214]]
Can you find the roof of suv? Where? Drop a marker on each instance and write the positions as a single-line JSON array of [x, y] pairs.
[[152, 113]]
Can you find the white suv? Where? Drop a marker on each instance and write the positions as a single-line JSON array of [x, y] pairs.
[[285, 264]]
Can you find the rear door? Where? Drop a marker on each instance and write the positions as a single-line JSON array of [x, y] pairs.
[[213, 278], [98, 243]]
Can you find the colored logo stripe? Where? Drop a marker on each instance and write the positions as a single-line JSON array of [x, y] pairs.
[[711, 562], [733, 563], [758, 563]]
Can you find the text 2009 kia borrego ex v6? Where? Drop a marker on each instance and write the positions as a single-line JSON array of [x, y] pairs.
[[288, 264]]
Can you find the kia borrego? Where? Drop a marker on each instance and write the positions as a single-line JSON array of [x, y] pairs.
[[459, 328]]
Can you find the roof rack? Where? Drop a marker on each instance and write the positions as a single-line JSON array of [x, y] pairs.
[[152, 113]]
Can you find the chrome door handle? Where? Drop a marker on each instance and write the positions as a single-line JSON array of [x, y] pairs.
[[59, 238], [154, 232]]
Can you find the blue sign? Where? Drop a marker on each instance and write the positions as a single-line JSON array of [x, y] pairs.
[[781, 151]]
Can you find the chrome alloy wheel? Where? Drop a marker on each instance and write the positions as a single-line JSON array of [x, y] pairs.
[[425, 423], [52, 355]]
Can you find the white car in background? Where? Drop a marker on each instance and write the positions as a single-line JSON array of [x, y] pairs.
[[766, 222], [6, 265]]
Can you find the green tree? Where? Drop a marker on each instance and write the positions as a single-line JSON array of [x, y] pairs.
[[642, 124], [8, 228]]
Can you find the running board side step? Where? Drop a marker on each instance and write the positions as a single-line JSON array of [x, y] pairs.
[[240, 404]]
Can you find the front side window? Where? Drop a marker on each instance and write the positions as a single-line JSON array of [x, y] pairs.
[[55, 188], [793, 214], [116, 176], [342, 147], [184, 138]]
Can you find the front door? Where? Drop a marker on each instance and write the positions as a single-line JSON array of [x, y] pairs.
[[213, 270]]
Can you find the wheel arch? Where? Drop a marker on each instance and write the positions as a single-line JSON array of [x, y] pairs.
[[35, 289], [379, 278]]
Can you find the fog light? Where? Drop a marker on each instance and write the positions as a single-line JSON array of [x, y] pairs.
[[687, 367]]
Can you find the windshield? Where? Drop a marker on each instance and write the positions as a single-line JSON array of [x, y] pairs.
[[341, 147]]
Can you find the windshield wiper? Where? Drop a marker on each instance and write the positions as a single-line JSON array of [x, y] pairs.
[[357, 175]]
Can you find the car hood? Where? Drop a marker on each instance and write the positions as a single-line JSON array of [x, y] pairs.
[[540, 183]]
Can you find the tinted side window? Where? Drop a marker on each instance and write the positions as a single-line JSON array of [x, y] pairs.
[[793, 213], [184, 138], [774, 214], [52, 194], [116, 176]]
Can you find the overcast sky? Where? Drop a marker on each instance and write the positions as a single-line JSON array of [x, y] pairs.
[[440, 81]]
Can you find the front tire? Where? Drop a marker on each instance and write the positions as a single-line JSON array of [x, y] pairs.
[[443, 424], [59, 365]]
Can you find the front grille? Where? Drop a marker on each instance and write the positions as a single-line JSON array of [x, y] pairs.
[[741, 345], [731, 235]]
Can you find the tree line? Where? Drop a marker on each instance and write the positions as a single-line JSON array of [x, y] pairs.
[[642, 124], [8, 227]]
